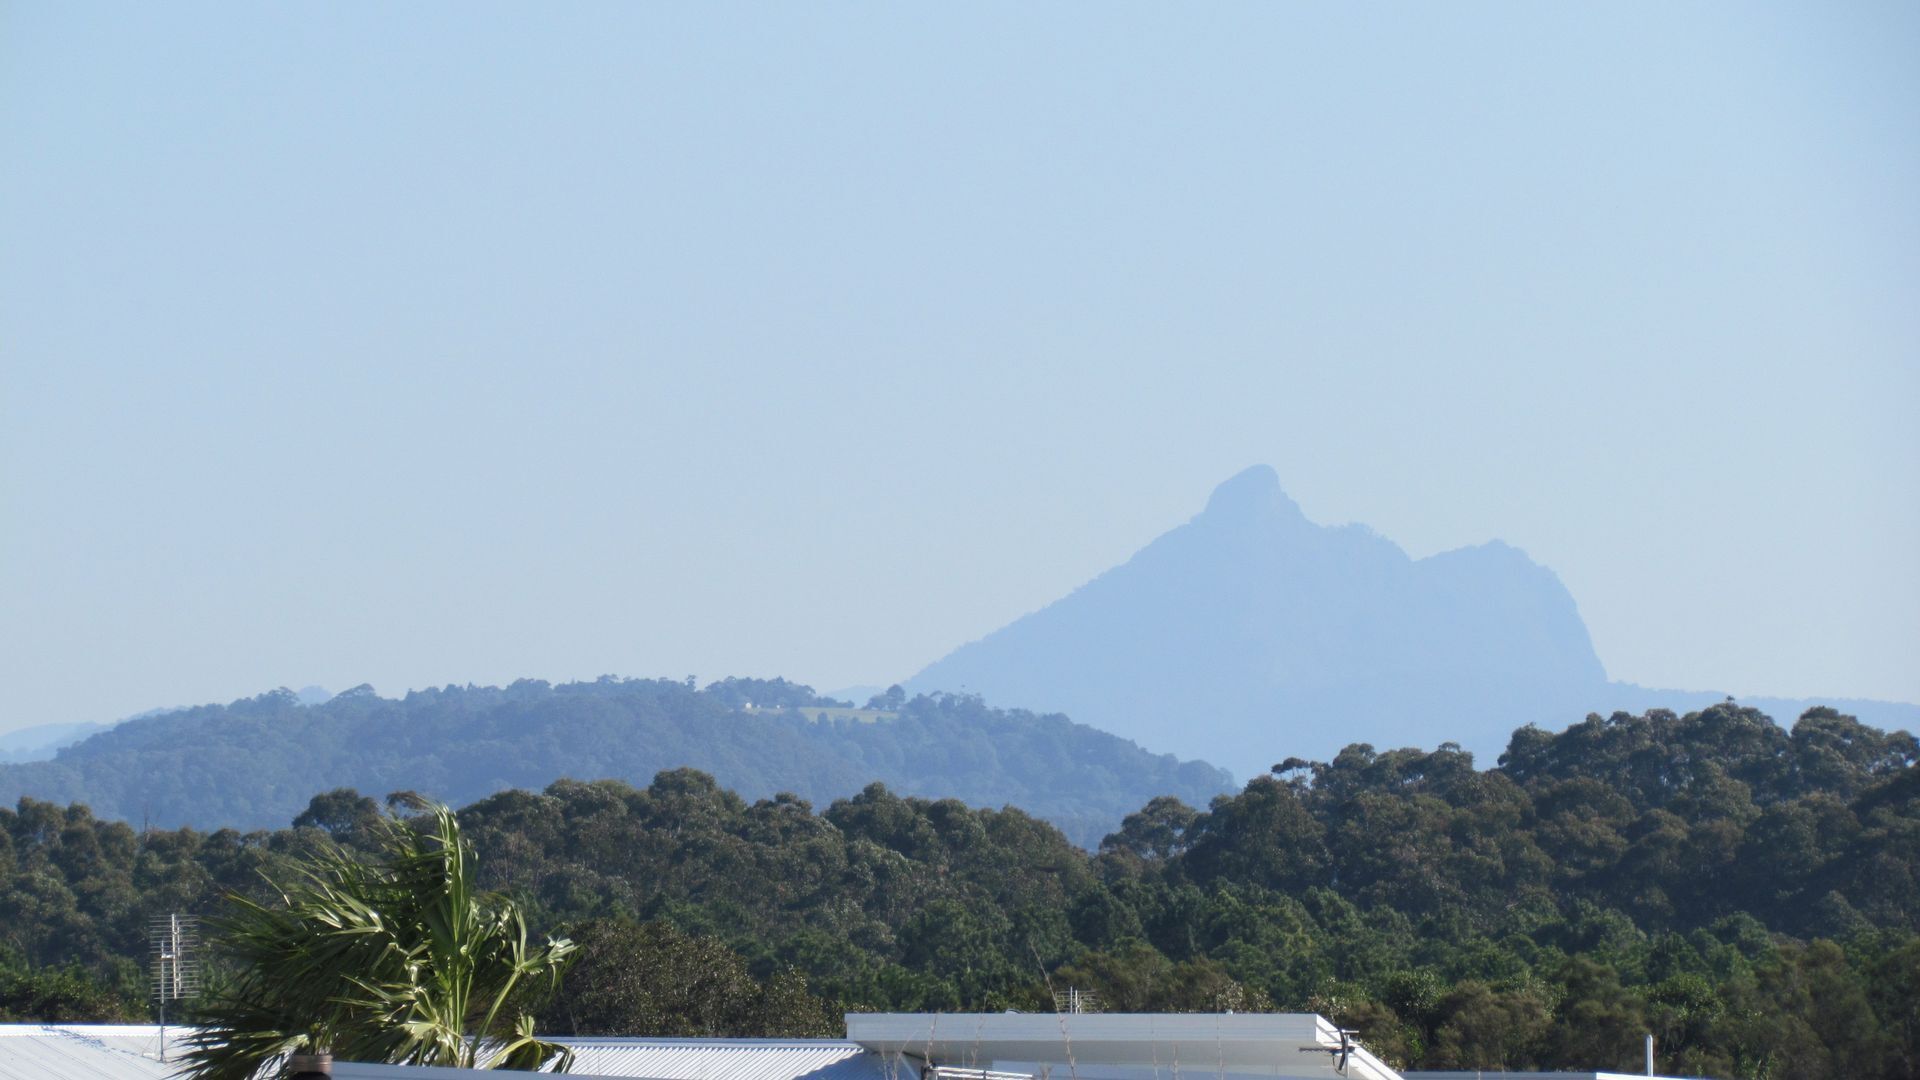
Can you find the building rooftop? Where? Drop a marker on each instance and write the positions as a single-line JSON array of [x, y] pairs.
[[726, 1059], [82, 1051], [1475, 1074], [878, 1046], [1122, 1046]]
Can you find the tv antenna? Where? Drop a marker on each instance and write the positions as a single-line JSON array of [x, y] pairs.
[[1075, 1000], [1340, 1051], [176, 963]]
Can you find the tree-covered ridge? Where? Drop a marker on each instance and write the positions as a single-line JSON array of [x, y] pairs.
[[1676, 821], [253, 763], [1745, 892]]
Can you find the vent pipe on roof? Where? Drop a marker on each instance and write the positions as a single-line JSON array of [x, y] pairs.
[[1649, 1053]]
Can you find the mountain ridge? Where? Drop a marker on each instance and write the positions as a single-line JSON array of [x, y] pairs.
[[255, 762], [1294, 638]]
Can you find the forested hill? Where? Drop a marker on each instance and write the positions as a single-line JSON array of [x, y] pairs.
[[254, 763], [1750, 895]]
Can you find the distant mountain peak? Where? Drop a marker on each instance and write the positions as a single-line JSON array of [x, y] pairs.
[[1251, 633], [1251, 495]]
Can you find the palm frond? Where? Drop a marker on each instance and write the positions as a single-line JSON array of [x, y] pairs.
[[392, 959]]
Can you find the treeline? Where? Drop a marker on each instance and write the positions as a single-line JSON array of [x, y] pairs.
[[253, 763], [1750, 895]]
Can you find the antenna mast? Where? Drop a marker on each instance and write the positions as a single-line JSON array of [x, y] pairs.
[[176, 963], [1074, 1000]]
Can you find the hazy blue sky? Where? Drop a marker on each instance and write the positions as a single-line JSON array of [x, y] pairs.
[[418, 344]]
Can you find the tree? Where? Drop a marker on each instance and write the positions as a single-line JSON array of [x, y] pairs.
[[1484, 1028], [1156, 833], [339, 813], [656, 980], [57, 996], [392, 959]]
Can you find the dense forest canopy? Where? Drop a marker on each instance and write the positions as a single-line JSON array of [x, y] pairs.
[[252, 764], [1750, 894]]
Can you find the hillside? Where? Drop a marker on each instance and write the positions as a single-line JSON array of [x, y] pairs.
[[252, 764], [1750, 894], [42, 741], [1251, 634]]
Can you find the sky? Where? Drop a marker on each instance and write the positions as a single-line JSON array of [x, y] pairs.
[[435, 343]]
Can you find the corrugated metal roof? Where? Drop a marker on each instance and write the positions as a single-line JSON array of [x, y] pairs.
[[83, 1051], [132, 1052], [730, 1059]]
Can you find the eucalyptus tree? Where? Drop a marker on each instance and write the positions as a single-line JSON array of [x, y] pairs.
[[391, 957]]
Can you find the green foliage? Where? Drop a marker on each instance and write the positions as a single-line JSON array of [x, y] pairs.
[[655, 979], [69, 995], [395, 958], [1746, 893], [253, 763], [341, 813]]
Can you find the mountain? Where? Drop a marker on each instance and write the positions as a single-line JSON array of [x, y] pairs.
[[253, 764], [42, 741], [1251, 634], [313, 695]]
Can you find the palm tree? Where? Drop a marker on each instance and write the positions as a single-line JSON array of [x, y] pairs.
[[395, 959]]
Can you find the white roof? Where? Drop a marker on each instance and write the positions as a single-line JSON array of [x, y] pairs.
[[727, 1059], [1477, 1074], [83, 1051], [1120, 1046], [132, 1052], [880, 1046]]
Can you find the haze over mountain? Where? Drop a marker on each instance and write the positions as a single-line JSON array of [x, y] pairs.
[[253, 764], [1251, 634], [41, 742]]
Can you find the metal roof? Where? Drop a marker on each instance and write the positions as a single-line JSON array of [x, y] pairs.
[[1488, 1074], [1083, 1046], [729, 1059], [83, 1051], [1122, 1046], [132, 1052]]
